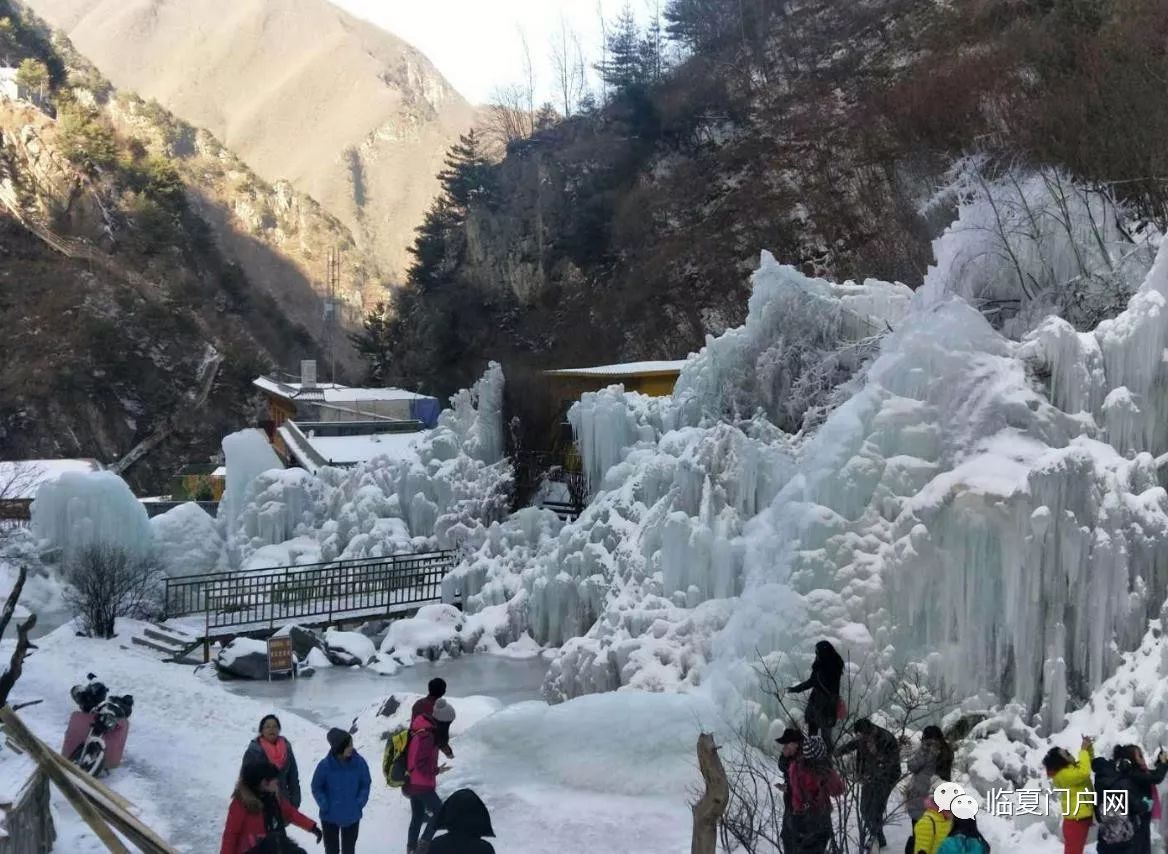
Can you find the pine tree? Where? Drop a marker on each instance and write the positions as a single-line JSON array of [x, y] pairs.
[[33, 77], [375, 342], [467, 175], [396, 339], [625, 65]]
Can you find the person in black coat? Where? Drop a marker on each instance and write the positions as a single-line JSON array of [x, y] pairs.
[[1143, 782], [878, 767], [269, 745], [466, 821], [824, 684]]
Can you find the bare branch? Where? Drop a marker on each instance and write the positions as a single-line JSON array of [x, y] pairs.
[[23, 645]]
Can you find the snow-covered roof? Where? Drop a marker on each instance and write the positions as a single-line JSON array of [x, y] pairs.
[[312, 451], [341, 394], [20, 479], [332, 392], [627, 369], [290, 391]]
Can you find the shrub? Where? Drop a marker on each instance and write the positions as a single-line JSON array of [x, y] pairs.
[[106, 582], [87, 140]]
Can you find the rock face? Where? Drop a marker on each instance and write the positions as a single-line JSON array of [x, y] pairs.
[[348, 113]]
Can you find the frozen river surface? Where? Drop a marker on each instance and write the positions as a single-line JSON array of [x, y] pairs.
[[335, 694]]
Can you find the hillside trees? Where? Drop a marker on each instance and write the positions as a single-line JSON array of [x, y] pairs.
[[430, 319]]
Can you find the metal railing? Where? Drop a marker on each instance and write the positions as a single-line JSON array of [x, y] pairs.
[[265, 598]]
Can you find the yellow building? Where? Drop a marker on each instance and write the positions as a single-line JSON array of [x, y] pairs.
[[199, 483], [655, 379]]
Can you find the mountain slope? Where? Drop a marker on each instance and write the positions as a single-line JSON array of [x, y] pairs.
[[146, 275], [350, 114]]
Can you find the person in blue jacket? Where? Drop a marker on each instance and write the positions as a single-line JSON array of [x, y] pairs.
[[341, 789]]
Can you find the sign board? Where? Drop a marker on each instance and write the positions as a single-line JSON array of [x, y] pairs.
[[280, 658]]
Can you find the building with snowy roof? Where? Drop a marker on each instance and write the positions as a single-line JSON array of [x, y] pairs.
[[21, 479], [346, 443], [655, 379], [309, 402]]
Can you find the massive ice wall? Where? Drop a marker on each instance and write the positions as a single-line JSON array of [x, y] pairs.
[[990, 507]]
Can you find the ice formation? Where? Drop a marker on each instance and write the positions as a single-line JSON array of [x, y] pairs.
[[78, 510], [1036, 243], [959, 507], [455, 484], [187, 541], [247, 454]]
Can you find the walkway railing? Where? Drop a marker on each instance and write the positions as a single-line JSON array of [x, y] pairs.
[[316, 593]]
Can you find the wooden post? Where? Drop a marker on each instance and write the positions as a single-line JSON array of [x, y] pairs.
[[708, 811], [207, 624], [63, 781]]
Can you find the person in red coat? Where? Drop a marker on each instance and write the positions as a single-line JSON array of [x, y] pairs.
[[258, 815]]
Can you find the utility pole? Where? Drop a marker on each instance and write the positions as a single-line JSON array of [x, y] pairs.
[[333, 282]]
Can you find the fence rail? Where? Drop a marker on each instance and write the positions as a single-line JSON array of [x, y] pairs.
[[265, 598]]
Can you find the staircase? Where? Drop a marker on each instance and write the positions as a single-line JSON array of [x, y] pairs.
[[176, 645]]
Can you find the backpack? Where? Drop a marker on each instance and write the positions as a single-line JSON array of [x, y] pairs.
[[813, 788], [1115, 827], [393, 760]]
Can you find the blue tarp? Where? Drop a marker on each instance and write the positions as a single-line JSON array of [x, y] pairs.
[[426, 410]]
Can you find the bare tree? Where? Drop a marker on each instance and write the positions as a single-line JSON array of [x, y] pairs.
[[106, 582], [603, 50], [899, 699], [508, 119], [528, 74], [24, 646], [568, 64]]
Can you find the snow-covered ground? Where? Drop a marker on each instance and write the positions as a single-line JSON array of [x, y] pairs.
[[605, 773]]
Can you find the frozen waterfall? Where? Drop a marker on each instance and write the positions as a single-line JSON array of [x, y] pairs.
[[991, 507]]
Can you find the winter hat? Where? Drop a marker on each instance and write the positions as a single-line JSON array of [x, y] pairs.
[[443, 712], [790, 736], [338, 740], [255, 773], [814, 748], [464, 812]]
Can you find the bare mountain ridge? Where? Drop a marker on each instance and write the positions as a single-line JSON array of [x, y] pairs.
[[349, 114]]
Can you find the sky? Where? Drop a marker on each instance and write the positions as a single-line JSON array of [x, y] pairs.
[[476, 43]]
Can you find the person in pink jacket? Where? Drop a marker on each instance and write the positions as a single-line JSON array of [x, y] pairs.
[[423, 769]]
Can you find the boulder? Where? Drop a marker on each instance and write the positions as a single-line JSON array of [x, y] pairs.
[[375, 630], [304, 640], [243, 658], [346, 649]]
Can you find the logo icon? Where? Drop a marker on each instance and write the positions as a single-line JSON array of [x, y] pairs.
[[952, 797]]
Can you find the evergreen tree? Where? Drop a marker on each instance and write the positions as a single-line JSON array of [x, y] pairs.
[[399, 339], [624, 67], [547, 117], [33, 77], [374, 342], [467, 175]]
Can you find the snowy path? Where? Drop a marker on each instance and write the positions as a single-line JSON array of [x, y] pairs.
[[553, 777]]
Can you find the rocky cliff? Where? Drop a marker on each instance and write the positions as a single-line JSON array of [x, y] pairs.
[[146, 276]]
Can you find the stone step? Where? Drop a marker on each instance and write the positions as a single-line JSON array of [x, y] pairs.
[[162, 636], [174, 631], [154, 645]]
